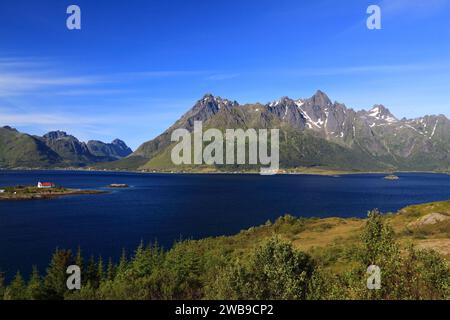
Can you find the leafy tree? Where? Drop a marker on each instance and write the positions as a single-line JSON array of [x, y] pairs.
[[378, 239], [326, 286], [224, 269], [407, 274], [380, 249], [275, 272], [426, 275]]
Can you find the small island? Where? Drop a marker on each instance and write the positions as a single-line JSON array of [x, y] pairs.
[[40, 192], [118, 185], [391, 177]]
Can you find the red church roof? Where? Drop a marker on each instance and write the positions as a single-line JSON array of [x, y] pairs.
[[47, 184]]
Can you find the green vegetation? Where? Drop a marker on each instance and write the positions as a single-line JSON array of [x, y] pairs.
[[19, 150], [346, 141], [292, 258], [54, 150], [129, 163], [31, 192], [298, 149]]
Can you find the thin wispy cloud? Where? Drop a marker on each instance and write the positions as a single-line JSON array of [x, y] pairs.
[[93, 126], [92, 92], [39, 80], [11, 117], [13, 85], [21, 63], [158, 74], [37, 119], [28, 75], [19, 75], [223, 76]]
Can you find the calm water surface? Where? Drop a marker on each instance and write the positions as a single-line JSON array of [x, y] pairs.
[[170, 207]]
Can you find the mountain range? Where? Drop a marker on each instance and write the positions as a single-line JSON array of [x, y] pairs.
[[315, 133], [55, 149]]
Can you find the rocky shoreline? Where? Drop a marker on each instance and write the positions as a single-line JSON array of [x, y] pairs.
[[45, 195]]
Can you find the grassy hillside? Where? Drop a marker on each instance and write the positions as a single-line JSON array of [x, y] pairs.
[[22, 150], [55, 149], [297, 150], [129, 163], [319, 236], [291, 258]]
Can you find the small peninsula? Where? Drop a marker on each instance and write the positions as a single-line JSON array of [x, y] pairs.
[[36, 193]]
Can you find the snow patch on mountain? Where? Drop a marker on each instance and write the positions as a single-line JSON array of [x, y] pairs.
[[382, 114]]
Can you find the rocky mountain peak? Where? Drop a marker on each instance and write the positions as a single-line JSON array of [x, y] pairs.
[[283, 101], [118, 142], [55, 135], [121, 145], [208, 97], [320, 99], [10, 128], [208, 106], [380, 112], [320, 132], [117, 149]]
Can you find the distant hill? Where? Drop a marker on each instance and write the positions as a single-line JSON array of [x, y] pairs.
[[54, 149], [22, 150], [315, 133], [114, 150]]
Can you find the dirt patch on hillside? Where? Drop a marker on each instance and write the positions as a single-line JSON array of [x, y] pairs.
[[430, 219], [440, 245]]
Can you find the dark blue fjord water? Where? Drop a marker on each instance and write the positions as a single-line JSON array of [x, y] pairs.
[[170, 207]]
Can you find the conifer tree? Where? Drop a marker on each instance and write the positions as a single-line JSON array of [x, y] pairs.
[[123, 263], [79, 261], [34, 288], [91, 272], [55, 282], [2, 285], [100, 270], [17, 289], [110, 270]]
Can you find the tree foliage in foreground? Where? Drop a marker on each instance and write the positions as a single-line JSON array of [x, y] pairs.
[[271, 270], [274, 271]]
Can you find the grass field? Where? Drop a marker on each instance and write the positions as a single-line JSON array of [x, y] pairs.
[[336, 236]]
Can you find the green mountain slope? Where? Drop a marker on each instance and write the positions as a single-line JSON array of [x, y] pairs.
[[54, 150], [314, 132], [22, 150]]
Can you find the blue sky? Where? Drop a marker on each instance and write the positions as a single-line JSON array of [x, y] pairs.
[[137, 66]]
